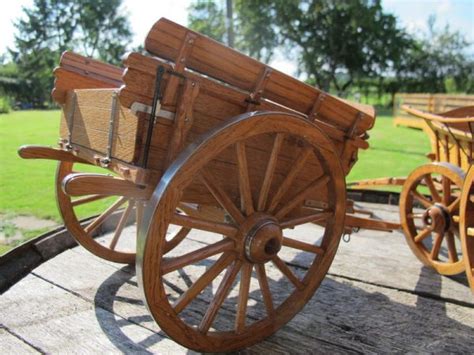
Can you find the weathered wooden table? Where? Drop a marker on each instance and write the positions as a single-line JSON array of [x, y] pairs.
[[376, 298]]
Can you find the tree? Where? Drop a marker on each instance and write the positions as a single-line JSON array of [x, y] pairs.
[[438, 62], [207, 18], [336, 43], [250, 34], [95, 28]]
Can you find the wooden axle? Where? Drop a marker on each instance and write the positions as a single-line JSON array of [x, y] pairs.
[[42, 152], [369, 223]]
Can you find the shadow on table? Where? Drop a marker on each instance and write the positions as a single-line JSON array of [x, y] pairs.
[[342, 317]]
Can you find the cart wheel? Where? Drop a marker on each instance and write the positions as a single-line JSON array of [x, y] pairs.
[[436, 188], [116, 249], [466, 225], [249, 166]]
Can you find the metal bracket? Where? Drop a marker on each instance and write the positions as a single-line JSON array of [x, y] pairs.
[[113, 113], [140, 107]]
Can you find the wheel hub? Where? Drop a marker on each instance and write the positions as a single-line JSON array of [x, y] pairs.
[[263, 240], [437, 218]]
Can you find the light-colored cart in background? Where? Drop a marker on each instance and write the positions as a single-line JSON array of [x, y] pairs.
[[436, 198]]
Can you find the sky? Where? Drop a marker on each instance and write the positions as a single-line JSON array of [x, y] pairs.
[[412, 14]]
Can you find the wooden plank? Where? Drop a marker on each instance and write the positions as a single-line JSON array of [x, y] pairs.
[[165, 40], [88, 303], [79, 72], [14, 345]]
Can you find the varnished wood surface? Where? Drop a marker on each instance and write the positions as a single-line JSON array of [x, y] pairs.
[[209, 57], [78, 72], [79, 303]]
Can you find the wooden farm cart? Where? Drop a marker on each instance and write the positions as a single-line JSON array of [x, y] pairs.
[[198, 137], [430, 212]]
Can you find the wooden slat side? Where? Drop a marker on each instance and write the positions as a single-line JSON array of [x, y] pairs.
[[92, 111], [139, 86]]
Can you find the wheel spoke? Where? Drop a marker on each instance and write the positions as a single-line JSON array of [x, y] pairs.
[[198, 223], [286, 184], [121, 224], [179, 262], [222, 197], [178, 238], [202, 282], [267, 180], [422, 235], [312, 218], [436, 246], [446, 190], [265, 289], [429, 182], [244, 182], [87, 199], [220, 296], [285, 270], [300, 196], [422, 199], [296, 244], [452, 254], [246, 275], [100, 219], [454, 205]]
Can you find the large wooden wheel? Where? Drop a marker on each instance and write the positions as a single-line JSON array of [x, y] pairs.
[[429, 214], [118, 210], [467, 226], [262, 169]]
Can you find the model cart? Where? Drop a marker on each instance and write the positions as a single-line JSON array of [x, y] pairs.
[[198, 137], [435, 207]]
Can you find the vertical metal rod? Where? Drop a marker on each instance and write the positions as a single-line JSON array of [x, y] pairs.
[[113, 113], [156, 102], [71, 121]]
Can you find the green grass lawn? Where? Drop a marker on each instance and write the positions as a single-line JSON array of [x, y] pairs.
[[393, 151], [27, 186]]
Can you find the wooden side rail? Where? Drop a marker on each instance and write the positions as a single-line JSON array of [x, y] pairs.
[[42, 152], [79, 72], [438, 118]]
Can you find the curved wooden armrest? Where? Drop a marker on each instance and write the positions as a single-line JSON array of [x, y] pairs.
[[42, 152], [434, 117]]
